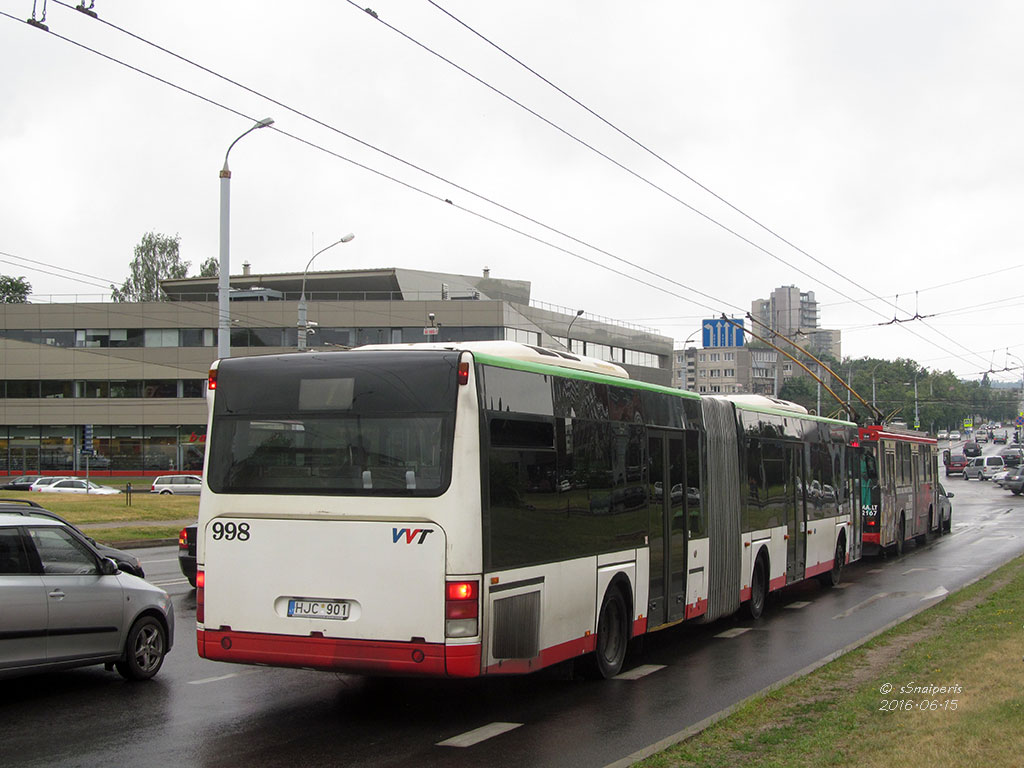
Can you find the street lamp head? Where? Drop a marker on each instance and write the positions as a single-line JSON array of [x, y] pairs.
[[348, 238], [579, 312], [265, 122]]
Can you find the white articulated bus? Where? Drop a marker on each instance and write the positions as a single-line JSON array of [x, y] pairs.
[[494, 508]]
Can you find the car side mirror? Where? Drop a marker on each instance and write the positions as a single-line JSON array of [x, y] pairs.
[[108, 567], [950, 495]]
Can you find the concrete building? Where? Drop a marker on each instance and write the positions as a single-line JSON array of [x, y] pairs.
[[795, 315], [136, 373]]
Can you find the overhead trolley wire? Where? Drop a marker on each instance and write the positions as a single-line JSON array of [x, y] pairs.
[[429, 194], [663, 160]]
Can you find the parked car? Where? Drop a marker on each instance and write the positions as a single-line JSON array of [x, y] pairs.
[[983, 467], [1014, 481], [945, 509], [126, 561], [1012, 456], [956, 464], [953, 436], [21, 483], [68, 606], [972, 449], [187, 552], [189, 485], [43, 481], [77, 485]]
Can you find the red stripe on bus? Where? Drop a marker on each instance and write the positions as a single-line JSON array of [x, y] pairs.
[[872, 538], [360, 656], [639, 626], [778, 583], [698, 608], [814, 570], [547, 657]]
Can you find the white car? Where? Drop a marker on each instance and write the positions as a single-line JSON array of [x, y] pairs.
[[77, 485], [954, 436], [998, 477], [42, 482], [943, 435]]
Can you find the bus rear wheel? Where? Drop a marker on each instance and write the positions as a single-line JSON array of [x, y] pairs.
[[612, 634], [831, 578], [758, 588]]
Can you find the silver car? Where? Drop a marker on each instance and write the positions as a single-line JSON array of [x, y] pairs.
[[189, 485], [66, 606]]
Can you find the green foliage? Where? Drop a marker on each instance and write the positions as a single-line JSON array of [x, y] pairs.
[[210, 268], [14, 290], [801, 390], [156, 259]]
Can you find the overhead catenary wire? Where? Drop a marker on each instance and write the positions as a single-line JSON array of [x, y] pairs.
[[448, 200]]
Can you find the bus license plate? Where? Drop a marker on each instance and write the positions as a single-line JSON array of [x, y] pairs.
[[318, 609]]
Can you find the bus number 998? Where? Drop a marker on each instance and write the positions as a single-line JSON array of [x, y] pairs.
[[230, 531]]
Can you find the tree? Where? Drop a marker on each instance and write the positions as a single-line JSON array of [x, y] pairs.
[[156, 259], [14, 290], [210, 268]]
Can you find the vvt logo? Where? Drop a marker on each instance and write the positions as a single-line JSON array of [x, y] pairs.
[[410, 534]]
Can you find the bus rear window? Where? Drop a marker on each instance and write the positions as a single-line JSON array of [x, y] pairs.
[[346, 424]]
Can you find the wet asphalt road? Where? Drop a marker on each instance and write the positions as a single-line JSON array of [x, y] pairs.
[[201, 713]]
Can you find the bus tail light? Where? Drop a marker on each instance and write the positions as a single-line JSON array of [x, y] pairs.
[[463, 374], [200, 596], [461, 608], [211, 382]]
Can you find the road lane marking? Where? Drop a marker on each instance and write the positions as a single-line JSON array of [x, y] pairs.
[[935, 593], [844, 585], [875, 570], [798, 604], [168, 560], [214, 679], [731, 633], [169, 583], [858, 606], [642, 671], [916, 569], [477, 735]]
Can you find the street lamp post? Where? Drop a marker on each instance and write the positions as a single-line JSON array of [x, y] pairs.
[[303, 322], [874, 405], [568, 339], [224, 276]]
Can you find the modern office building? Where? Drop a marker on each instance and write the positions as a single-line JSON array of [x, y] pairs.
[[132, 376]]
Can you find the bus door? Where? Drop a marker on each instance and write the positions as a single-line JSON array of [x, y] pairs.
[[667, 510], [855, 482], [920, 524], [796, 513]]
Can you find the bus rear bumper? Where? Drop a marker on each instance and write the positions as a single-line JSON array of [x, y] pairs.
[[339, 655], [871, 543]]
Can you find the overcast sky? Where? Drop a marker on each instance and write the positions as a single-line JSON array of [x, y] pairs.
[[883, 141]]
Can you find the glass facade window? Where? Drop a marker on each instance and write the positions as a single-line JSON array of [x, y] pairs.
[[56, 389], [265, 337], [162, 337], [160, 388], [196, 337], [57, 448], [93, 389], [126, 388], [17, 388], [193, 387], [522, 336]]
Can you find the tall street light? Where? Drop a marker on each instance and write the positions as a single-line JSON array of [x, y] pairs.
[[873, 403], [303, 323], [568, 339], [224, 276]]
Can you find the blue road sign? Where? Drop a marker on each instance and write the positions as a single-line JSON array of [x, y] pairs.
[[719, 333]]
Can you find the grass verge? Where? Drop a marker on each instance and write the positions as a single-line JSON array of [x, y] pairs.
[[874, 708], [84, 509]]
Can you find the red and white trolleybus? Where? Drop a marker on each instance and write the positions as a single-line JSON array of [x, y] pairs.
[[493, 508]]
